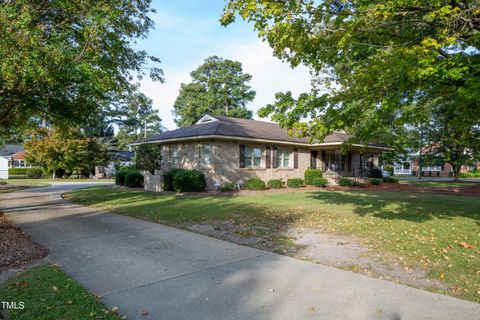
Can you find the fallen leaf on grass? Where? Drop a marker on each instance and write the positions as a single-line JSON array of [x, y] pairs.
[[144, 312], [466, 245]]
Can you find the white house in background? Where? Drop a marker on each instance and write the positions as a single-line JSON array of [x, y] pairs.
[[3, 168], [15, 155]]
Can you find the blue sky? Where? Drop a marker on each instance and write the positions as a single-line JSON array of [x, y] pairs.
[[187, 31]]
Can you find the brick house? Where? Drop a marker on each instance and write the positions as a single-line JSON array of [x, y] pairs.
[[232, 150]]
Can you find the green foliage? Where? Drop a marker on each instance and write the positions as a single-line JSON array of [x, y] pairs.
[[375, 173], [62, 61], [255, 184], [34, 173], [168, 179], [218, 84], [227, 187], [320, 182], [149, 157], [344, 182], [3, 182], [65, 151], [473, 174], [133, 179], [389, 169], [275, 184], [311, 174], [391, 180], [17, 171], [189, 181], [376, 65], [375, 182], [295, 183], [120, 177]]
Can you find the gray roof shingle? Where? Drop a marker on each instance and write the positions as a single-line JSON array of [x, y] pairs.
[[10, 149]]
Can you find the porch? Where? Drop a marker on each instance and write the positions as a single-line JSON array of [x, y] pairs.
[[352, 163]]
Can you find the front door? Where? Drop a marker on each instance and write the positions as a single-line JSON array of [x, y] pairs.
[[313, 159]]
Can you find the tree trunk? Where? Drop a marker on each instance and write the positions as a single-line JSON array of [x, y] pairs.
[[456, 176]]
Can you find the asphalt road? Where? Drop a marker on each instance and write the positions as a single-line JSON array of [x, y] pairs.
[[174, 274]]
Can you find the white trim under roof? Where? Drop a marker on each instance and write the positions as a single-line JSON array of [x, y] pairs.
[[236, 138]]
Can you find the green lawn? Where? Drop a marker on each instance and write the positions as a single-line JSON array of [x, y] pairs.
[[425, 183], [48, 293], [421, 230]]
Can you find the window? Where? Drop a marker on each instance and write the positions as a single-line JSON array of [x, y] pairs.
[[206, 154], [283, 158], [174, 156], [253, 157]]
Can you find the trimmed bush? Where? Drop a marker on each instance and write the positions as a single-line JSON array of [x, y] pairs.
[[390, 180], [275, 184], [189, 181], [311, 174], [375, 182], [120, 177], [344, 182], [376, 173], [320, 182], [168, 179], [17, 171], [2, 183], [295, 183], [34, 173], [254, 184], [227, 187], [133, 179]]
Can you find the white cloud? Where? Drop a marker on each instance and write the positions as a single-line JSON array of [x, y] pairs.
[[269, 76]]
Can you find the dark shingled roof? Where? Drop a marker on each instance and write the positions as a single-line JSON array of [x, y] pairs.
[[10, 149], [237, 127]]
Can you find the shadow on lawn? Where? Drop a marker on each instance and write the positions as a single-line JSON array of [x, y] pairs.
[[405, 206]]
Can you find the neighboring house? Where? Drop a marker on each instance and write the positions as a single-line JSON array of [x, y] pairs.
[[15, 155], [232, 150], [410, 167], [117, 159]]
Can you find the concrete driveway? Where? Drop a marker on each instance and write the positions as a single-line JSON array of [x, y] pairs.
[[174, 274]]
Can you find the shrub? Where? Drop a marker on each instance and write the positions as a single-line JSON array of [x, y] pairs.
[[376, 173], [275, 184], [295, 183], [2, 183], [168, 179], [189, 181], [311, 174], [17, 171], [344, 182], [120, 177], [375, 182], [133, 179], [34, 173], [390, 180], [227, 187], [320, 182], [255, 184]]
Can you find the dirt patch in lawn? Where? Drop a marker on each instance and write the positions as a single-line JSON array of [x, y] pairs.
[[338, 251], [16, 247]]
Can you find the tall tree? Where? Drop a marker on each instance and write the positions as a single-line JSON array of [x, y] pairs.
[[218, 87], [62, 60], [137, 119], [375, 63]]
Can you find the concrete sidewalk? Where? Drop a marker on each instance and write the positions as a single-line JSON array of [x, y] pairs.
[[174, 274]]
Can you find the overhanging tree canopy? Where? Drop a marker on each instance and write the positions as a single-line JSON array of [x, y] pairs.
[[62, 60]]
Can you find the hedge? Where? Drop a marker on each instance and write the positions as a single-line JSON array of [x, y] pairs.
[[375, 182], [34, 173], [168, 179], [344, 182], [133, 179], [390, 180], [320, 182], [17, 171], [255, 184], [227, 187], [275, 184], [189, 181], [312, 174], [473, 174], [295, 183]]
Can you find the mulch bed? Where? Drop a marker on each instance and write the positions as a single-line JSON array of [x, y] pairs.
[[16, 247]]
